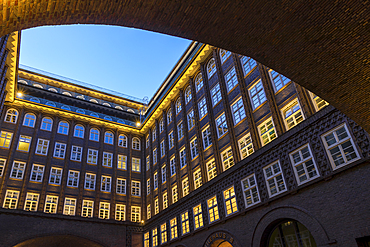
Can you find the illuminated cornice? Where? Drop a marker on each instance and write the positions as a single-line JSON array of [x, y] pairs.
[[12, 63]]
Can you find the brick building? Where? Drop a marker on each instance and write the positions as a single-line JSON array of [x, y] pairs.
[[227, 153]]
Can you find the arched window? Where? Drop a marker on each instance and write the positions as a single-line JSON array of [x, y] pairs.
[[108, 118], [94, 134], [248, 64], [63, 127], [67, 93], [94, 101], [118, 107], [46, 124], [106, 104], [80, 97], [29, 120], [51, 89], [49, 103], [108, 137], [23, 82], [38, 85], [36, 100], [136, 143], [93, 114], [169, 116], [80, 111], [198, 82], [211, 68], [187, 95], [122, 141], [11, 116], [65, 107], [178, 105], [79, 131], [121, 121], [130, 110], [224, 55]]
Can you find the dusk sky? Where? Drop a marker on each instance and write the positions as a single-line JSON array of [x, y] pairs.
[[126, 60]]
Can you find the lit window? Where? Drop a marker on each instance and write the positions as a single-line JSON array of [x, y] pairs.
[[180, 131], [231, 79], [178, 106], [37, 173], [146, 240], [155, 179], [120, 212], [198, 82], [292, 114], [267, 131], [257, 94], [135, 214], [274, 179], [216, 94], [230, 201], [79, 131], [11, 116], [169, 116], [87, 208], [108, 137], [63, 128], [182, 158], [80, 97], [148, 186], [92, 156], [55, 176], [213, 209], [5, 139], [197, 179], [221, 125], [29, 120], [135, 188], [278, 80], [211, 169], [121, 186], [51, 204], [104, 210], [94, 135], [161, 125], [76, 153], [148, 162], [211, 68], [171, 140], [163, 233], [106, 183], [106, 104], [340, 147], [318, 102], [2, 166], [193, 148], [248, 64], [191, 120], [31, 202], [94, 101], [164, 172], [46, 124], [198, 217], [185, 223], [122, 141], [119, 107], [156, 206], [202, 105], [18, 170], [224, 55], [24, 143], [69, 206], [207, 138], [237, 109], [11, 199], [163, 152], [250, 191], [187, 95], [165, 200], [154, 133], [185, 187], [155, 237], [304, 164], [175, 195], [107, 159], [173, 223], [90, 181], [172, 166], [135, 164], [227, 158], [136, 143], [147, 141], [148, 212], [67, 93], [73, 177], [42, 146], [155, 156], [245, 146]]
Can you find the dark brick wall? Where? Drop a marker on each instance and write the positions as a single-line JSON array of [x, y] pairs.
[[3, 69]]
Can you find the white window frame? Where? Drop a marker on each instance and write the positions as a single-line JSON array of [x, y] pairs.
[[248, 64], [76, 153], [161, 126], [2, 166], [202, 106], [60, 150], [94, 134], [188, 95], [182, 155], [245, 146], [198, 216], [257, 94], [278, 80], [238, 111], [178, 106], [207, 137], [108, 137], [120, 212], [175, 194], [294, 117], [318, 102], [194, 148], [87, 208], [6, 139], [107, 159], [171, 140], [79, 131], [135, 188], [121, 162], [162, 148], [135, 214], [46, 124], [11, 116], [211, 169], [216, 94], [173, 226], [70, 206], [156, 206], [198, 82], [155, 180], [220, 125], [136, 143], [165, 200], [197, 178], [231, 79], [11, 199], [122, 141], [121, 186], [106, 184], [211, 68], [90, 180], [212, 206], [104, 210], [136, 164], [224, 55], [31, 202], [73, 178], [92, 156], [269, 133], [29, 120], [63, 128], [185, 187], [250, 191], [172, 166], [148, 186], [191, 119], [24, 141], [51, 204], [37, 173], [155, 158], [180, 131], [55, 175], [227, 159], [18, 170], [273, 178], [230, 200], [185, 227], [164, 173]]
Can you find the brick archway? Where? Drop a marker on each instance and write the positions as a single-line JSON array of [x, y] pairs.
[[58, 240]]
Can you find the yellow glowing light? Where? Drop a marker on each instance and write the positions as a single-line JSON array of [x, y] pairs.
[[138, 124], [142, 221], [19, 94]]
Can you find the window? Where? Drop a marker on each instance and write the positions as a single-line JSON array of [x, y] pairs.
[[164, 174], [80, 111], [135, 188], [122, 141], [94, 135], [50, 103], [193, 148], [187, 95], [51, 204], [211, 68], [185, 187], [90, 181], [11, 199], [340, 147], [2, 166], [107, 159], [55, 176], [173, 224], [191, 120], [267, 131], [46, 124], [108, 137], [216, 94], [163, 233], [245, 146], [24, 143], [5, 139], [178, 106], [213, 209], [231, 79], [172, 166], [76, 153], [37, 173], [165, 200], [106, 183], [211, 169], [63, 128], [182, 158], [146, 240], [207, 139], [92, 156], [148, 162], [79, 131], [42, 146], [155, 237], [292, 114], [180, 131], [31, 202], [185, 223], [227, 158], [171, 140], [69, 206], [161, 126], [248, 64], [148, 212], [65, 107], [154, 133], [278, 80], [169, 116], [147, 141], [29, 120], [304, 164], [122, 161], [318, 102], [156, 206], [135, 164], [155, 156], [155, 179], [198, 217], [73, 177], [198, 82], [148, 186], [120, 212], [175, 195], [163, 152], [221, 125], [135, 214], [202, 105], [136, 143], [104, 210], [87, 208], [197, 179], [94, 101], [224, 55], [250, 191], [274, 179], [257, 94], [11, 116], [230, 201], [18, 170], [238, 111], [121, 186]]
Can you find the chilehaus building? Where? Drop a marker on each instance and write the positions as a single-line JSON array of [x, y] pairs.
[[228, 152]]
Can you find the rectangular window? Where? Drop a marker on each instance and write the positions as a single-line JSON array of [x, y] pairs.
[[172, 166], [163, 152], [182, 158], [185, 223], [37, 173], [104, 210], [221, 125], [173, 224], [180, 131], [207, 138], [193, 148], [148, 212], [60, 150], [211, 169], [274, 179], [175, 195], [292, 114], [154, 133], [90, 181], [135, 164], [24, 143], [31, 202], [185, 187], [18, 170], [135, 188], [154, 156], [191, 120], [120, 212], [245, 146], [42, 146], [156, 206], [163, 233], [248, 64], [164, 174], [165, 200], [231, 79], [216, 94], [148, 162], [213, 209], [106, 183], [51, 204], [122, 162], [87, 208], [2, 166], [135, 214], [76, 153], [197, 178], [161, 126], [155, 179], [238, 111], [202, 105], [69, 206], [340, 147], [227, 158], [155, 237], [148, 186], [55, 176], [230, 201], [257, 94], [11, 199], [92, 156], [278, 80], [147, 141], [171, 140], [107, 159], [146, 240], [318, 102], [5, 139], [121, 186], [198, 217], [267, 131], [304, 164], [250, 191]]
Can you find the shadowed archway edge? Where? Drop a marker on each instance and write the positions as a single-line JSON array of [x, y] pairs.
[[322, 45]]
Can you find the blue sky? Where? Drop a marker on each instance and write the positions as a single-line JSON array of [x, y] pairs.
[[126, 60]]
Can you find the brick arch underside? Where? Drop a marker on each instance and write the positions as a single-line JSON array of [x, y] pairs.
[[58, 241], [321, 45]]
